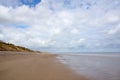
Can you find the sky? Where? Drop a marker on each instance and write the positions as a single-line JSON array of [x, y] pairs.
[[62, 25]]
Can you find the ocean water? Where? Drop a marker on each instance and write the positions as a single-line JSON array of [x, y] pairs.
[[94, 66]]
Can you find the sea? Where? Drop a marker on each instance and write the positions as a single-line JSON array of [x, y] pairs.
[[94, 66]]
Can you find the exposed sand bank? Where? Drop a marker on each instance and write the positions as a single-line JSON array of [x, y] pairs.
[[34, 67]]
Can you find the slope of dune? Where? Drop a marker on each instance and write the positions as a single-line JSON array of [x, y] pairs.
[[11, 47]]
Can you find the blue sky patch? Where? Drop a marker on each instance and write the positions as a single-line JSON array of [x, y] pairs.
[[31, 3]]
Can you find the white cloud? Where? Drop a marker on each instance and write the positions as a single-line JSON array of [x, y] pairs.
[[75, 31], [115, 30], [56, 31], [60, 25], [81, 40], [10, 2], [113, 18]]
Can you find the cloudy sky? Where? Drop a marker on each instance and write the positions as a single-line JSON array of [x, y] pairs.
[[61, 25]]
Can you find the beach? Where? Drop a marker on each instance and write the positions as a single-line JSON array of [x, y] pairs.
[[34, 66]]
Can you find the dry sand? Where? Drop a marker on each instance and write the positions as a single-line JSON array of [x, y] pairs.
[[29, 66]]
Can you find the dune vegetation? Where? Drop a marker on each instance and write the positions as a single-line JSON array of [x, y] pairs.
[[11, 47]]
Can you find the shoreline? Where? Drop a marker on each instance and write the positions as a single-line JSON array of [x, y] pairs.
[[40, 66], [94, 66]]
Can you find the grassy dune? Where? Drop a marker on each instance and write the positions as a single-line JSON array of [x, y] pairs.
[[11, 47]]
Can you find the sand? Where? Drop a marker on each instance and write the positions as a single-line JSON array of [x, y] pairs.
[[31, 66]]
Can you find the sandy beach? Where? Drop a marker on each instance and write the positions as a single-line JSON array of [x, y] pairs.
[[30, 66]]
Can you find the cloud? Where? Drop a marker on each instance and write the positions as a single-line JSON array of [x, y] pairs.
[[115, 30], [61, 24], [10, 3]]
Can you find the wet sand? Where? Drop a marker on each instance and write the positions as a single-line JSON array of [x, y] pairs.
[[94, 66], [30, 66]]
